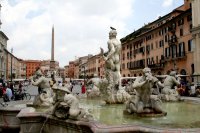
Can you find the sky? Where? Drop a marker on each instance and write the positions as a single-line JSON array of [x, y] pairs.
[[81, 27]]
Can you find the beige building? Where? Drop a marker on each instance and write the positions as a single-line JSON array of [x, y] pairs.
[[76, 69], [13, 66], [45, 66], [196, 37], [71, 69], [3, 48], [22, 70], [66, 71], [101, 67], [61, 72], [83, 65], [162, 45], [93, 66]]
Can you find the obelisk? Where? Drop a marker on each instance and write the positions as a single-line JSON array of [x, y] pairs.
[[52, 62]]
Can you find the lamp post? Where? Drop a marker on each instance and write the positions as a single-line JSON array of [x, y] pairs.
[[11, 64], [26, 71], [84, 74]]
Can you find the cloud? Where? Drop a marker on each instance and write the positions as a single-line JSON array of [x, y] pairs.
[[167, 3], [81, 27]]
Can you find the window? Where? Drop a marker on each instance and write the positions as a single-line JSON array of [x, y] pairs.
[[127, 65], [181, 49], [151, 46], [166, 38], [161, 43], [148, 61], [181, 32], [174, 51], [167, 52], [152, 60], [148, 48], [127, 55], [156, 59], [174, 26], [131, 54], [189, 17], [173, 38], [189, 45], [180, 22]]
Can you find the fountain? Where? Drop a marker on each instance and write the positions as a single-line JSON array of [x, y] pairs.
[[142, 112]]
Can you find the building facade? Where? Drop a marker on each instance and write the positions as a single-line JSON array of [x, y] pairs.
[[45, 66], [196, 38], [3, 48], [163, 45], [66, 71], [93, 66], [71, 69], [31, 66]]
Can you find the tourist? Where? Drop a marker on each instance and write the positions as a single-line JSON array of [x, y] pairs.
[[83, 89], [59, 83], [20, 88], [12, 87], [1, 90], [9, 93], [2, 80], [5, 96]]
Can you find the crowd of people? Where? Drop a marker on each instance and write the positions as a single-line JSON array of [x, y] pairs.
[[8, 90]]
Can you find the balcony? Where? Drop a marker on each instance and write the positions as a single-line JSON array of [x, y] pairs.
[[156, 66], [137, 67], [172, 41], [172, 29], [180, 55]]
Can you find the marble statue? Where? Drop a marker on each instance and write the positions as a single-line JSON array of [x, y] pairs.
[[112, 69], [168, 93], [46, 96], [67, 106], [94, 91], [143, 102]]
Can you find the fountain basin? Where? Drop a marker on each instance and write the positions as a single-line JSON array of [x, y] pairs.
[[8, 120], [182, 117]]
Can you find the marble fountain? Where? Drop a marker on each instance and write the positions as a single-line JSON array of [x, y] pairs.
[[114, 111]]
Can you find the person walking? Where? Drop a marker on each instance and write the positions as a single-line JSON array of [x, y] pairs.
[[83, 89]]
